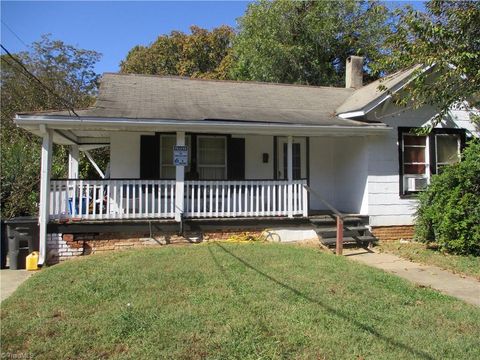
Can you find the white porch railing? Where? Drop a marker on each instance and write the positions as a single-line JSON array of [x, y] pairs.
[[204, 199], [111, 199], [143, 199]]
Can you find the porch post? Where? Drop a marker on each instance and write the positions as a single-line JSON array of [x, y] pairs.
[[44, 210], [290, 175], [73, 156], [179, 181]]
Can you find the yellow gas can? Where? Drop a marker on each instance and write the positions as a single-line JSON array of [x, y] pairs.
[[32, 261]]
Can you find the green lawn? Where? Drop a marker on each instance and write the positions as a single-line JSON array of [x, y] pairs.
[[226, 301], [418, 252]]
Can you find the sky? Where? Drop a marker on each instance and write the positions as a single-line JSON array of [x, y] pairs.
[[112, 27]]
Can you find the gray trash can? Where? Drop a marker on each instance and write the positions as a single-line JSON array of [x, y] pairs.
[[23, 238], [3, 245]]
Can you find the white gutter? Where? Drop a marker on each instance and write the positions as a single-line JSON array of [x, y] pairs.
[[366, 109], [352, 114], [231, 127]]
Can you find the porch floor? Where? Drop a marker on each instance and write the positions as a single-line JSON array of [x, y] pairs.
[[219, 223]]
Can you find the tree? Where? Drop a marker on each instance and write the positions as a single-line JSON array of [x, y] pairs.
[[202, 53], [446, 40], [66, 70], [307, 42]]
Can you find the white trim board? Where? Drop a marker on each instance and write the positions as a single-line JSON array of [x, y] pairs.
[[32, 123]]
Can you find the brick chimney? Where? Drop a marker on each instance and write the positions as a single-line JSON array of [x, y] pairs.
[[354, 72]]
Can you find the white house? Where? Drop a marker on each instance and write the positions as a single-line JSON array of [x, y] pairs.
[[253, 150]]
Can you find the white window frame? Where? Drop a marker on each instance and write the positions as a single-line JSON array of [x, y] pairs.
[[459, 144], [430, 168], [200, 165], [427, 173], [162, 165]]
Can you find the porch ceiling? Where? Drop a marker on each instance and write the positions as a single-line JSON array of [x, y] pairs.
[[86, 139]]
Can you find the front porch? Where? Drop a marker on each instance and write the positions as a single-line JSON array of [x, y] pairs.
[[74, 200], [257, 177], [241, 171]]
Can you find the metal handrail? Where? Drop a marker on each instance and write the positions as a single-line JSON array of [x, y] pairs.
[[325, 202], [339, 215]]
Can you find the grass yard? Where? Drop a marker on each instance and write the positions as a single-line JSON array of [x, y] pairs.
[[418, 252], [232, 301]]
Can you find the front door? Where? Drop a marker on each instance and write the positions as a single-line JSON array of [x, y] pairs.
[[299, 163]]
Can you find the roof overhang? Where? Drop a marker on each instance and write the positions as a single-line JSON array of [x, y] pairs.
[[371, 106], [83, 130], [385, 96]]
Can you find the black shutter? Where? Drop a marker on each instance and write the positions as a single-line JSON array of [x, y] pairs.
[[236, 158], [149, 157]]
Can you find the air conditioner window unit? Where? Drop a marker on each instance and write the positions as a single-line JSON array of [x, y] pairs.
[[416, 183]]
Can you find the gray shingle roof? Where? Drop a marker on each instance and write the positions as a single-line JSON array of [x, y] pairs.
[[368, 94], [140, 96], [173, 98], [132, 96]]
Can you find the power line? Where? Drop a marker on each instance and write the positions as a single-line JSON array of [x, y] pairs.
[[28, 78], [14, 33], [21, 72], [65, 102], [9, 63]]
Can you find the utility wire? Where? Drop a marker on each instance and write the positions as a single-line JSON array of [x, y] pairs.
[[65, 102], [14, 33], [8, 62]]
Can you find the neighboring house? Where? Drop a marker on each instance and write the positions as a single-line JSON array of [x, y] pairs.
[[251, 148]]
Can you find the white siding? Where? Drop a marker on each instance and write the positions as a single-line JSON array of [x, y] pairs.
[[338, 172], [351, 174], [125, 155], [385, 206], [322, 174], [462, 119], [255, 147]]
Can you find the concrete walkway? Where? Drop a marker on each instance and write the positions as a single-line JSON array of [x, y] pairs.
[[464, 288], [10, 280]]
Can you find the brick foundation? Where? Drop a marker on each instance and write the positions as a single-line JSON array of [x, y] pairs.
[[389, 233], [65, 246], [61, 247]]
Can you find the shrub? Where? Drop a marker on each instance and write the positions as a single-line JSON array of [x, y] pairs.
[[449, 209]]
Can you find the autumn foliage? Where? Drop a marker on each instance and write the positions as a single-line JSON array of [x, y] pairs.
[[201, 54]]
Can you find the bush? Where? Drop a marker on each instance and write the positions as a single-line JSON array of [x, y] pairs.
[[449, 210]]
